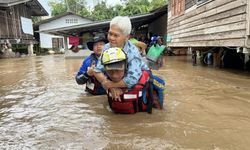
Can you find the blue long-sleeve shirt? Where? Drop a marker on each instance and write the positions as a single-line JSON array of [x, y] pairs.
[[135, 64], [87, 63], [82, 77]]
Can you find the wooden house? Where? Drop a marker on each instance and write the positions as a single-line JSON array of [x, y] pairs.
[[202, 24], [15, 20]]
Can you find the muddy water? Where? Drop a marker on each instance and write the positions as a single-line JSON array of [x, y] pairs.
[[41, 107]]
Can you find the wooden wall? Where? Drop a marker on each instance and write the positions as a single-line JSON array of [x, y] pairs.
[[189, 3], [216, 23], [10, 23]]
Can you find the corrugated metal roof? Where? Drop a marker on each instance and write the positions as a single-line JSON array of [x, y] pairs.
[[36, 8], [8, 3]]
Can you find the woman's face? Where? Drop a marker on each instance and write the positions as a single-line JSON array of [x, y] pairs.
[[116, 75], [116, 37], [97, 47]]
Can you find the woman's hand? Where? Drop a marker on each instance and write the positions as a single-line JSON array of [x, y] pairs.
[[116, 94]]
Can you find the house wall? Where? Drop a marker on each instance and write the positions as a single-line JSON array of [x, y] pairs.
[[10, 24], [189, 3], [61, 22], [248, 27], [215, 23], [46, 39]]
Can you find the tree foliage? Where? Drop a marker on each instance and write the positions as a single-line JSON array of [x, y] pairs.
[[158, 3], [36, 19], [136, 7], [58, 7], [101, 11], [75, 6]]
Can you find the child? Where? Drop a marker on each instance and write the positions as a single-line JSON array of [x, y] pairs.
[[85, 74]]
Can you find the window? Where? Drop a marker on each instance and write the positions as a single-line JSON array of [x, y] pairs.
[[57, 43], [202, 1], [177, 7], [71, 20]]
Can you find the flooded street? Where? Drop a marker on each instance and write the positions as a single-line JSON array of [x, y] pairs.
[[42, 107]]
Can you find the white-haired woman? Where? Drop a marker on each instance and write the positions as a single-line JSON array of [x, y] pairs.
[[118, 35]]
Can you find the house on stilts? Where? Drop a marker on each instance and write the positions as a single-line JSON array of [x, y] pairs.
[[16, 27], [218, 26]]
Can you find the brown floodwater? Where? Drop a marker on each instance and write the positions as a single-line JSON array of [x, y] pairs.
[[41, 107]]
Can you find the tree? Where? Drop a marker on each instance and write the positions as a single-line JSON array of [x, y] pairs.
[[57, 7], [83, 11], [36, 19], [101, 11], [137, 7], [158, 3], [75, 6]]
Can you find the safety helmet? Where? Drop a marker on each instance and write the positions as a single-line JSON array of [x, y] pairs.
[[113, 55]]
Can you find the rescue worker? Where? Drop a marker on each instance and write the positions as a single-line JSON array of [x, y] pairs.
[[85, 74], [142, 96], [118, 35]]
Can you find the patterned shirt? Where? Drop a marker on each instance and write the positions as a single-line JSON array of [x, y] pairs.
[[135, 64]]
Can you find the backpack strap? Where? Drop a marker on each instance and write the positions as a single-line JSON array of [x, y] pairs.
[[149, 89]]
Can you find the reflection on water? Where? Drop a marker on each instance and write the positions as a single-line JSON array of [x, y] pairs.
[[41, 107]]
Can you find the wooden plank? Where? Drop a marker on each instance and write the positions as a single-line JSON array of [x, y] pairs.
[[199, 10], [248, 19], [224, 15], [14, 24], [247, 42], [7, 25], [190, 3], [217, 29], [222, 22], [2, 23], [214, 11], [19, 25], [218, 36], [216, 43]]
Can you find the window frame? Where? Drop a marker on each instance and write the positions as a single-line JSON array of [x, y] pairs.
[[202, 2], [177, 7], [71, 21]]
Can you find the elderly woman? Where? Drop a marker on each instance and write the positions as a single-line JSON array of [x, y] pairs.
[[118, 35]]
